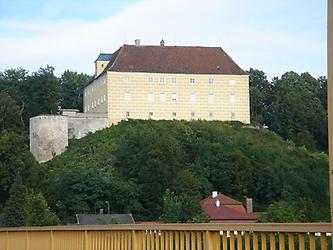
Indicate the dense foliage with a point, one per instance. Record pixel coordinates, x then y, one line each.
140 165
294 106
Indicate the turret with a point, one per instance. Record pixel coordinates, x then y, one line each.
101 62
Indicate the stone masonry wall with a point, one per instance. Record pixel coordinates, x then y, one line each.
49 134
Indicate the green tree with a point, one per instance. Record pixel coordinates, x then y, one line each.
38 213
15 159
11 82
280 211
42 92
294 106
15 208
259 90
172 208
72 85
10 117
183 208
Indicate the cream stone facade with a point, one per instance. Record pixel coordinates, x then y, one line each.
151 95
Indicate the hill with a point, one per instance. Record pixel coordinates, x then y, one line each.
136 163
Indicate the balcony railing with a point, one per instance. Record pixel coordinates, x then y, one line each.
170 237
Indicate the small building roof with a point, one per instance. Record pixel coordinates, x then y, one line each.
103 219
104 57
228 209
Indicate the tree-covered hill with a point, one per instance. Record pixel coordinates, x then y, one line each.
136 164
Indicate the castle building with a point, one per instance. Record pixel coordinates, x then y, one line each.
168 82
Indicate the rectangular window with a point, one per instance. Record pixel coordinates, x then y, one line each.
174 96
210 81
162 97
232 82
193 97
210 98
211 114
126 79
192 80
127 114
162 79
174 114
127 96
151 113
232 99
150 79
233 115
174 80
151 97
192 114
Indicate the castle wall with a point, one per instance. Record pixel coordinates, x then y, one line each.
48 136
79 127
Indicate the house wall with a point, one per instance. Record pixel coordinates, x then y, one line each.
95 96
229 94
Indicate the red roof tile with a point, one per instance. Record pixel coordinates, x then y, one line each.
229 209
174 59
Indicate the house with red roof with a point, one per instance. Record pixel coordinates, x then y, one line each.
223 209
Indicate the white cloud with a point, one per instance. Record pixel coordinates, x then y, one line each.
69 44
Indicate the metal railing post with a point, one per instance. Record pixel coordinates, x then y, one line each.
330 97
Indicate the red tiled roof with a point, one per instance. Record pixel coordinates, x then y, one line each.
225 200
229 209
174 59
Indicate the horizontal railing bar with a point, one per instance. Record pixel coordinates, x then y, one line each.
251 227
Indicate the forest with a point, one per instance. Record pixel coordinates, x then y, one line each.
160 170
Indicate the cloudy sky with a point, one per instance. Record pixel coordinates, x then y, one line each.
274 36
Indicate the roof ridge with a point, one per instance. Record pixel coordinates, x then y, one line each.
176 46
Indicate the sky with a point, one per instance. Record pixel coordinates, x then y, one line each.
270 35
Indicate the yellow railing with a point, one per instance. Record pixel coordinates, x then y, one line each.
170 237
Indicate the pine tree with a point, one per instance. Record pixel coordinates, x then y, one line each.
38 212
14 211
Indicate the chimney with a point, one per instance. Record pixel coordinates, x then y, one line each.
217 203
248 204
137 42
214 194
162 42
